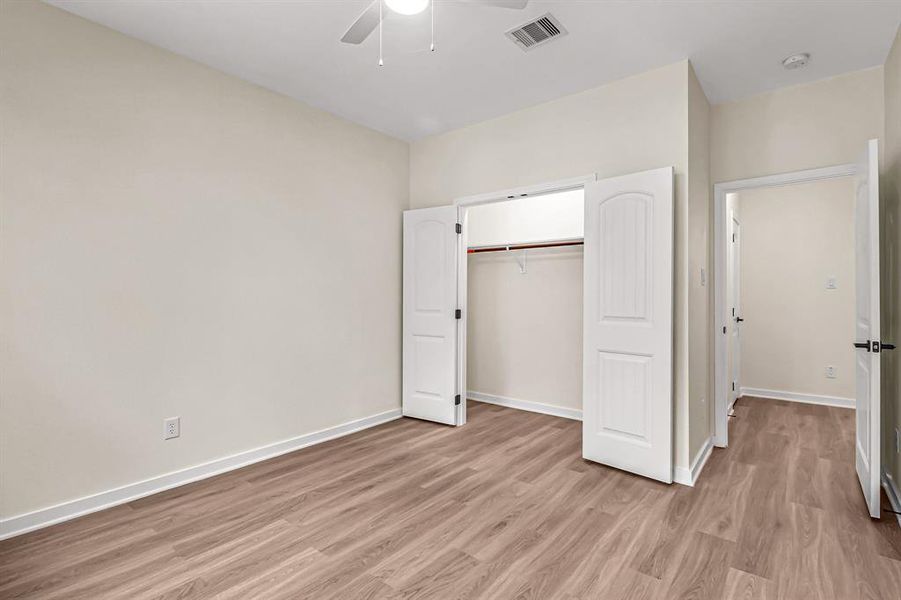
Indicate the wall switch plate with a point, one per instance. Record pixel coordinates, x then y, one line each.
830 372
831 283
171 428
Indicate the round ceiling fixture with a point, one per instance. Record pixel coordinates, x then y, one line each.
796 61
407 7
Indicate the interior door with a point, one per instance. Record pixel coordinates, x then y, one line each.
866 241
628 323
736 310
429 319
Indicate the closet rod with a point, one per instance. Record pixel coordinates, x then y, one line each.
525 246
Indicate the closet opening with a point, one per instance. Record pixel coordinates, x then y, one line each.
523 301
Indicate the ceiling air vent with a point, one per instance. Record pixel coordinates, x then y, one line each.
537 32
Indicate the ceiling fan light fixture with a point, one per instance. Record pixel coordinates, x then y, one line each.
407 7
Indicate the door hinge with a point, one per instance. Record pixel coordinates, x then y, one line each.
724 329
459 227
733 238
457 400
733 386
458 314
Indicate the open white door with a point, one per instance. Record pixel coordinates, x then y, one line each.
866 241
628 323
430 322
735 299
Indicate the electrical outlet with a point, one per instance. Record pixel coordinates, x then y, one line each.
830 372
171 428
831 283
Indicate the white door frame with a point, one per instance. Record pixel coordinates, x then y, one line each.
721 428
463 204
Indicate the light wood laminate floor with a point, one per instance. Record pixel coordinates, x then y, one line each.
501 508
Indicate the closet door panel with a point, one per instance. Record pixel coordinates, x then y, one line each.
429 322
627 321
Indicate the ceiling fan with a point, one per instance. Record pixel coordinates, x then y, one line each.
372 16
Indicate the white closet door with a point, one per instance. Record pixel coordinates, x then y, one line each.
430 324
867 373
628 323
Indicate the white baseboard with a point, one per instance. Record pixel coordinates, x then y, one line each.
538 407
798 397
894 495
45 517
689 476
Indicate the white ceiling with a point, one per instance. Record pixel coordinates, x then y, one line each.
476 73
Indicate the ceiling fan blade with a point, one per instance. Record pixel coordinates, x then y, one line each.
515 4
363 26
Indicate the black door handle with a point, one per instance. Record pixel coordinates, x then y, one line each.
886 346
738 319
865 344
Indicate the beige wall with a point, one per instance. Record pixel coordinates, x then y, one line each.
890 186
700 297
794 238
630 125
177 242
524 332
801 127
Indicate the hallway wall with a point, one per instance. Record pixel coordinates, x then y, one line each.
795 238
178 242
